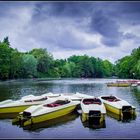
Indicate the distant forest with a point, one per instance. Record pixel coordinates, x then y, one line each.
39 63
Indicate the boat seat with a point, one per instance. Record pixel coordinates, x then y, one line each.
28 101
110 100
113 100
116 100
51 105
87 103
97 103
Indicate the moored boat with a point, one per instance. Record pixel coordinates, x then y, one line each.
11 106
48 111
118 106
133 81
93 110
76 96
52 123
126 118
118 84
134 85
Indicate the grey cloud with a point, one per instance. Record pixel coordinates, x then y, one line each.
111 42
132 37
63 9
59 34
107 27
129 36
101 23
121 10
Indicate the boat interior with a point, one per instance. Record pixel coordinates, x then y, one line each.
92 101
57 103
110 98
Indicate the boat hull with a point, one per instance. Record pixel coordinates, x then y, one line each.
118 84
49 116
53 122
86 117
14 109
119 118
118 111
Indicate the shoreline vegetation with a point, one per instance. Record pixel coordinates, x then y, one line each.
39 63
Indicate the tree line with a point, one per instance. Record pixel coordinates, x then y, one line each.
39 63
129 66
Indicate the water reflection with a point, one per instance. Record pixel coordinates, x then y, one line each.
92 124
127 118
63 120
15 89
136 96
135 90
8 115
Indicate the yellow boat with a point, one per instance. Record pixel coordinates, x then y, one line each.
47 111
118 106
93 110
52 123
118 84
13 107
119 118
8 107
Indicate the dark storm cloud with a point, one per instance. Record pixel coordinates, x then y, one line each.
64 9
107 27
105 16
80 9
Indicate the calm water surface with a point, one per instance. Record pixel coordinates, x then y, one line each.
70 126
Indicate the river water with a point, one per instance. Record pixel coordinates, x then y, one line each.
70 126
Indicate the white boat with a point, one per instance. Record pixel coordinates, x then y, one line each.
134 85
76 96
93 110
48 111
117 105
11 106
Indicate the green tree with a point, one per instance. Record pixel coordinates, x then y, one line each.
15 64
5 56
129 66
108 68
6 41
135 71
29 66
123 67
44 59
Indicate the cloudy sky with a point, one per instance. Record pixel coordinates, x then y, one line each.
108 30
